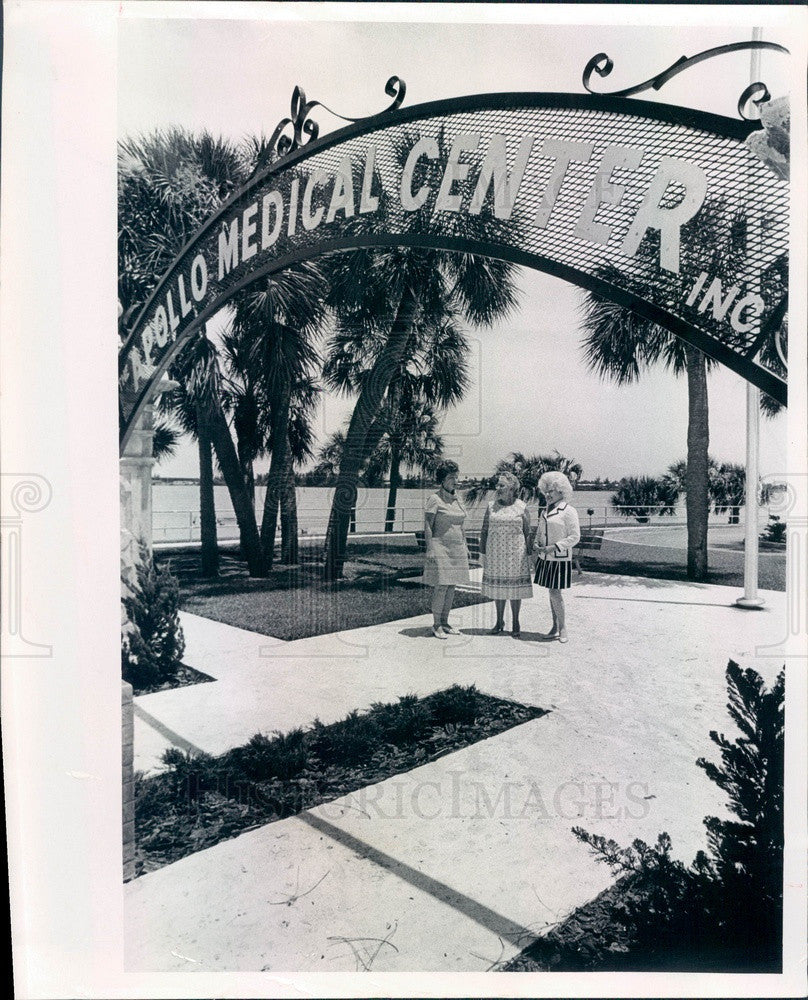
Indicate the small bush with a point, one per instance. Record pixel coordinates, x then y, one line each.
151 651
350 741
454 706
279 756
403 722
775 530
725 911
189 775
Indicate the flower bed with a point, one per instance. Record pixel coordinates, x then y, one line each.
201 800
184 677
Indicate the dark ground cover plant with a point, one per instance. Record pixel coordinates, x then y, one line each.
199 800
723 912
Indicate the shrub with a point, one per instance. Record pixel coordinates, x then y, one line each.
454 706
641 496
279 756
775 530
725 910
189 775
741 881
151 652
404 722
350 741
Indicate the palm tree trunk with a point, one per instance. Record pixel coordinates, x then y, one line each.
289 547
231 470
207 503
697 482
395 480
279 438
376 431
366 410
248 475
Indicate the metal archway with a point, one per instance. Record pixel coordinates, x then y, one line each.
664 209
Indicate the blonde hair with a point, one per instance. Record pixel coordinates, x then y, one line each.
557 479
511 480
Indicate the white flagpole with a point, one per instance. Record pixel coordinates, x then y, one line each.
750 598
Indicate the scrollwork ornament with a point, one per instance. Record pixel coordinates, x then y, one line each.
299 129
757 93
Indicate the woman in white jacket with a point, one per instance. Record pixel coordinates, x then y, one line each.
558 534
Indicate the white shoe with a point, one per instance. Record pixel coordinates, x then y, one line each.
438 632
450 629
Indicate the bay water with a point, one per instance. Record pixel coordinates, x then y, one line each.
176 510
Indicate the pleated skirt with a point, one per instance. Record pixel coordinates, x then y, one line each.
555 575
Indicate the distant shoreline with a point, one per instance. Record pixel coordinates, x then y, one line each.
190 481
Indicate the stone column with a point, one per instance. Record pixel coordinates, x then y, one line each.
128 781
136 528
136 473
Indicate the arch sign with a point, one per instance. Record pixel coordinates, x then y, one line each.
660 208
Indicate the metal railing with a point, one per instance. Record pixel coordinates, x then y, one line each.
183 526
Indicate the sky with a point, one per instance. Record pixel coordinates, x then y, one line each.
531 391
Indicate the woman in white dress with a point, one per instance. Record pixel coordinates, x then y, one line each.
557 535
447 559
504 541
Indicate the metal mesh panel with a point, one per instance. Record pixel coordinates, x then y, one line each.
739 236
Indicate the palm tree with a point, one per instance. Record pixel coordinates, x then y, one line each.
728 490
385 292
168 185
619 345
329 455
528 469
642 496
241 399
165 441
432 375
274 325
413 441
197 374
414 444
727 484
300 441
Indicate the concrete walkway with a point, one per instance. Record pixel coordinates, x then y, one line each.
461 862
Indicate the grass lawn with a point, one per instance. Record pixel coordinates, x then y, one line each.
378 585
662 562
294 602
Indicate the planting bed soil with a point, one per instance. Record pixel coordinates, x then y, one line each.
185 676
199 801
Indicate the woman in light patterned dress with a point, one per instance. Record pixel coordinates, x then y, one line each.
447 559
504 541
